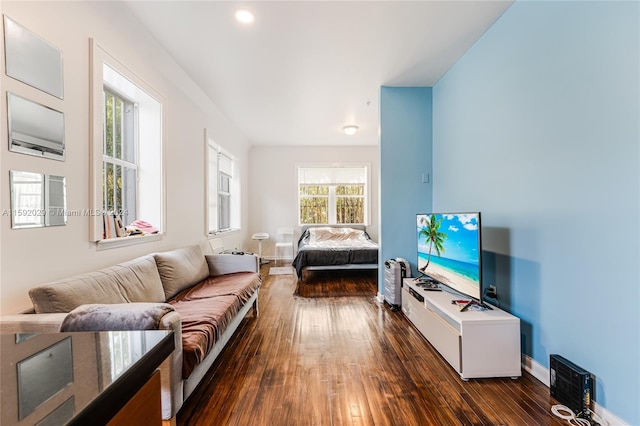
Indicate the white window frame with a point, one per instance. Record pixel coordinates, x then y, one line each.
332 190
224 193
152 169
124 164
213 192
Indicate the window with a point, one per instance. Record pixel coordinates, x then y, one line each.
333 194
126 150
223 190
119 169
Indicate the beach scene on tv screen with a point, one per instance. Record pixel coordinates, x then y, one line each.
448 250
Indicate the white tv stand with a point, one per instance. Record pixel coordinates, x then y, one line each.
475 343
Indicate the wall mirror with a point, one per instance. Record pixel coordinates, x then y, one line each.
35 129
37 200
31 59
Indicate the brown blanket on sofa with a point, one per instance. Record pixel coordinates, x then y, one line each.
207 309
239 284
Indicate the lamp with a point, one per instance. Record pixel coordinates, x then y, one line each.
350 129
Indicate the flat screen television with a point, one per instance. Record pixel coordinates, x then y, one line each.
450 251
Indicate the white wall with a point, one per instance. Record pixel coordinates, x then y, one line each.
33 256
273 186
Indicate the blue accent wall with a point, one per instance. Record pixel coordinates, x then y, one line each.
405 156
538 127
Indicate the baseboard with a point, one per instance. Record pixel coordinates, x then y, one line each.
541 373
273 258
380 298
608 416
536 369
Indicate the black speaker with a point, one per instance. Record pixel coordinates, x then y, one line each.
571 385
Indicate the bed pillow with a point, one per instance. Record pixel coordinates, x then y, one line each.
326 233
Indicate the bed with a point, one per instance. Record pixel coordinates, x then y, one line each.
335 247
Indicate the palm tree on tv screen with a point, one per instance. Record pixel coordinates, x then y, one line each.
432 234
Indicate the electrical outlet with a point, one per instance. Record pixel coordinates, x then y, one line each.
492 291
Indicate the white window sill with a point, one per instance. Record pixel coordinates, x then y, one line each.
223 233
127 241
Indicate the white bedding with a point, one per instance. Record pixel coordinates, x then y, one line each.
327 237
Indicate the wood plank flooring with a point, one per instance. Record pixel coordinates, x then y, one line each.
324 352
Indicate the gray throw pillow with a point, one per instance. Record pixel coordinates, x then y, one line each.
181 268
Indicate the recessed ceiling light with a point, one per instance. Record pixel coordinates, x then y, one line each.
245 16
351 129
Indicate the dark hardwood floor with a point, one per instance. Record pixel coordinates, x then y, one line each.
324 352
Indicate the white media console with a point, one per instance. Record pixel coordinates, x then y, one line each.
475 343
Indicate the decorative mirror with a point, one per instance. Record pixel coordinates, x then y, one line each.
37 200
35 129
31 59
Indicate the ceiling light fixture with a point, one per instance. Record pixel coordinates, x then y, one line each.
351 129
244 16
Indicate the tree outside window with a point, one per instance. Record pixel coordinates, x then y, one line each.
332 195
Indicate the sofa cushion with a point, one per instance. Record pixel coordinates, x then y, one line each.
181 268
207 309
240 284
134 281
203 322
116 317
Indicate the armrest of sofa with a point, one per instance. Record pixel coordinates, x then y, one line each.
171 368
116 316
31 323
220 264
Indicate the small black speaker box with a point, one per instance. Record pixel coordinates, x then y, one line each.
571 385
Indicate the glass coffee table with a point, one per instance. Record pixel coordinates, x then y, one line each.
97 378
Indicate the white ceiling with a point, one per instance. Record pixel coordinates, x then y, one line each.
304 69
